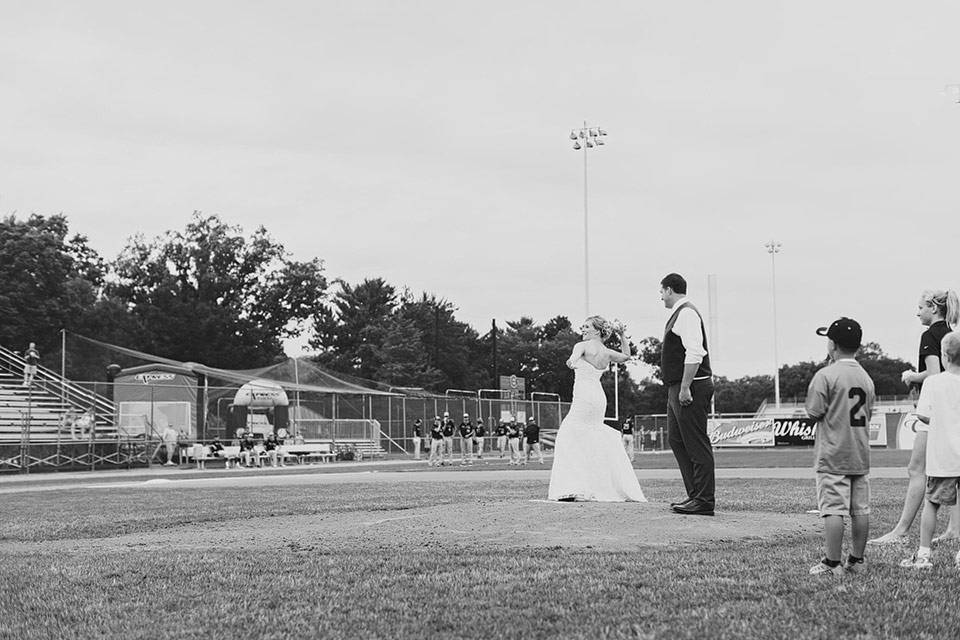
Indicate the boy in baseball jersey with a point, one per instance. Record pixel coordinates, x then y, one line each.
939 407
840 398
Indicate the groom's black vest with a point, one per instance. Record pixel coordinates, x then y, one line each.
673 354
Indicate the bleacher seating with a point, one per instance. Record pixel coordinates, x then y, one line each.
366 448
40 410
44 409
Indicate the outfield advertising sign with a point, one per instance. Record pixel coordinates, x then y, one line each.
802 431
794 432
741 432
780 432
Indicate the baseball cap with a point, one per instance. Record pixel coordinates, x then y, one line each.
846 332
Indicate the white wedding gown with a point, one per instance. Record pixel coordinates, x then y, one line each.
589 462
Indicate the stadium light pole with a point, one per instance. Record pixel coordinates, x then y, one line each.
773 248
586 138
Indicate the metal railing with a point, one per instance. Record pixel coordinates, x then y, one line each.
69 393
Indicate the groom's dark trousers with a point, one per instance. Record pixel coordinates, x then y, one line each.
687 435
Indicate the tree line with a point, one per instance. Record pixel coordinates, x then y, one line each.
215 294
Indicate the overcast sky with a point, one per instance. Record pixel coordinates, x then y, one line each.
426 142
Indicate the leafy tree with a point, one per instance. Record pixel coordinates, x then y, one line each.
795 378
403 361
49 281
452 347
350 330
651 398
370 331
214 295
743 395
884 370
539 354
650 351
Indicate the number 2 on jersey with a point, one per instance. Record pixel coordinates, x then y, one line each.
857 419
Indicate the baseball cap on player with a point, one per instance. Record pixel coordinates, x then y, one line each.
846 332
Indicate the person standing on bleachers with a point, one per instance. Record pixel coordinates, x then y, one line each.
32 356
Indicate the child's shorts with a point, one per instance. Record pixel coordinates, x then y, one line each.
840 495
942 491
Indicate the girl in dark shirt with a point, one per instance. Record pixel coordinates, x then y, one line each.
939 311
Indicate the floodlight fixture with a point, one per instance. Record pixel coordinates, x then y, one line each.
591 137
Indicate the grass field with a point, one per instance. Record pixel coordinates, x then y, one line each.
403 560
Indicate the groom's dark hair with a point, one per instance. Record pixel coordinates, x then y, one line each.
675 282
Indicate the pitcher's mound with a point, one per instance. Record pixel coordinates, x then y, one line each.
608 526
612 526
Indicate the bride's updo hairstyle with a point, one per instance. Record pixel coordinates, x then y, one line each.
601 325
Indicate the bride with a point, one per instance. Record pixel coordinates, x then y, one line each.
589 462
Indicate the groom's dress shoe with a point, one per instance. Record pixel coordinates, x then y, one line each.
677 504
694 508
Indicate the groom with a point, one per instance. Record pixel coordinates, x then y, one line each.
685 366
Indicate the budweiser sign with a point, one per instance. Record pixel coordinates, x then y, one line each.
741 433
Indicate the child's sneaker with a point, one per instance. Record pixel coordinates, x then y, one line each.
854 567
822 568
917 562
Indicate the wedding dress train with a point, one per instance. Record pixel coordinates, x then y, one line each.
589 462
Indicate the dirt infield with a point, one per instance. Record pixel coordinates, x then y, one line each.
514 524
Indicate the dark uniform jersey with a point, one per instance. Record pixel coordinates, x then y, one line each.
449 428
532 433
